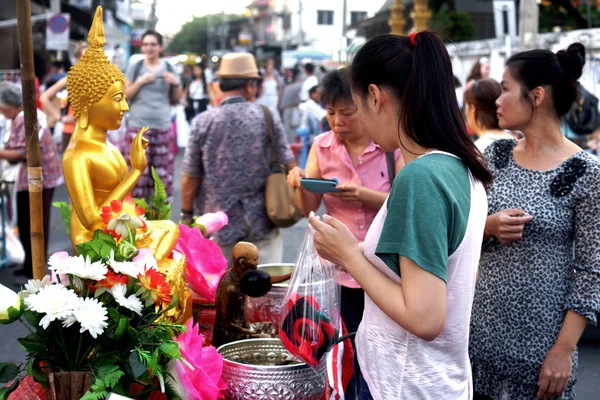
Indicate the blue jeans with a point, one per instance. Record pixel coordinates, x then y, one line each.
364 393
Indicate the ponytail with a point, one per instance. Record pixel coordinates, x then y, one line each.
418 71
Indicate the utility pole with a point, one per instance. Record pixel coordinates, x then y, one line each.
528 24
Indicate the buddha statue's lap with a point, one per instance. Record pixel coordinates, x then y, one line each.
96 172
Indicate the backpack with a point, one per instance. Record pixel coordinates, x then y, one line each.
584 118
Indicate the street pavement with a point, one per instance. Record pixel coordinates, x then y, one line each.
589 350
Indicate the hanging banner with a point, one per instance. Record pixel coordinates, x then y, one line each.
81 3
57 32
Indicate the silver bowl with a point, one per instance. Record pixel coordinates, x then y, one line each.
268 307
250 373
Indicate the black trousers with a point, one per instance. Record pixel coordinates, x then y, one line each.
23 223
352 307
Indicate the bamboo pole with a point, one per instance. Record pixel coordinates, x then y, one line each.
34 167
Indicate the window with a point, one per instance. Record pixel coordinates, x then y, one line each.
324 17
357 16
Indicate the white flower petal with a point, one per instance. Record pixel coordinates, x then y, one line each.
56 301
132 302
91 315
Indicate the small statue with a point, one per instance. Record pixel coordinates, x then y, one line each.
231 323
96 172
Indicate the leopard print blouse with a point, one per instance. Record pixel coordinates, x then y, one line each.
526 286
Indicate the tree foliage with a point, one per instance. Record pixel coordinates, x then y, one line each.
453 25
193 35
567 14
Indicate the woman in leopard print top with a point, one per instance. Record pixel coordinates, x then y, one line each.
539 274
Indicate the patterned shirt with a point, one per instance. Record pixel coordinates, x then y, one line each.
51 164
230 150
526 286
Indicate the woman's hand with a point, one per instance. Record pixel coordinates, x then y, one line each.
137 156
349 192
556 372
294 176
146 78
334 241
507 225
171 79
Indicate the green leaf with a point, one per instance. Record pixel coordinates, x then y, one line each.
137 366
170 349
65 214
142 203
157 207
32 318
35 371
110 375
121 328
6 391
95 396
8 372
33 343
99 248
114 314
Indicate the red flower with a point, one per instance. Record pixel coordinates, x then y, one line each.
121 216
155 286
111 280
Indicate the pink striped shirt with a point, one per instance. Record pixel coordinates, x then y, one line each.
371 172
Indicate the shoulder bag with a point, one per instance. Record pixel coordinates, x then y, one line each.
279 197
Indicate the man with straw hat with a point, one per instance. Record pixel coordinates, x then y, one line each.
227 161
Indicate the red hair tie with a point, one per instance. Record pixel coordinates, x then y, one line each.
413 38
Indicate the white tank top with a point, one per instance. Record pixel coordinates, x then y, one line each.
398 365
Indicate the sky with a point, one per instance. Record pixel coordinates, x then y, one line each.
174 13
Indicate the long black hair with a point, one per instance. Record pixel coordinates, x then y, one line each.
560 71
420 78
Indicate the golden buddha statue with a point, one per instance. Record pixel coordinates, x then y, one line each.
96 172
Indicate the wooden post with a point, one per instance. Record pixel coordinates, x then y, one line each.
34 167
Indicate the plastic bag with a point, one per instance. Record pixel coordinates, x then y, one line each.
310 313
15 252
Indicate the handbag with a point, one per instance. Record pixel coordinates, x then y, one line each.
279 197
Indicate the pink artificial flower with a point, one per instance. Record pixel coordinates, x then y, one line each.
145 260
205 381
213 222
54 261
205 262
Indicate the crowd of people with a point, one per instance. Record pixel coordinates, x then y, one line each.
465 238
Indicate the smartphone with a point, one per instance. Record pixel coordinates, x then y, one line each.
320 185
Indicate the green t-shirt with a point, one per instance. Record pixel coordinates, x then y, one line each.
427 214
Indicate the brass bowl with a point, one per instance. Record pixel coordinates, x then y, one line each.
250 371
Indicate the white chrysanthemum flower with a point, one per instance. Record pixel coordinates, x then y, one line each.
91 315
56 301
33 286
81 268
132 302
123 267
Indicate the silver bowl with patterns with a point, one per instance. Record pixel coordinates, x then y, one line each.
260 369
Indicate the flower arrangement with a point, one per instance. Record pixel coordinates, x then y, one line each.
104 311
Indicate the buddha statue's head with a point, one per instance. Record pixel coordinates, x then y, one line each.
96 87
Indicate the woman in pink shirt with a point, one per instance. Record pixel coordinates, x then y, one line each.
348 154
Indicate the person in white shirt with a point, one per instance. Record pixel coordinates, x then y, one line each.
312 110
310 81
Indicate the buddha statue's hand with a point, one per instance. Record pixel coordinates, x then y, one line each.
138 151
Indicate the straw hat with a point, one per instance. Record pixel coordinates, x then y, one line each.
238 65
